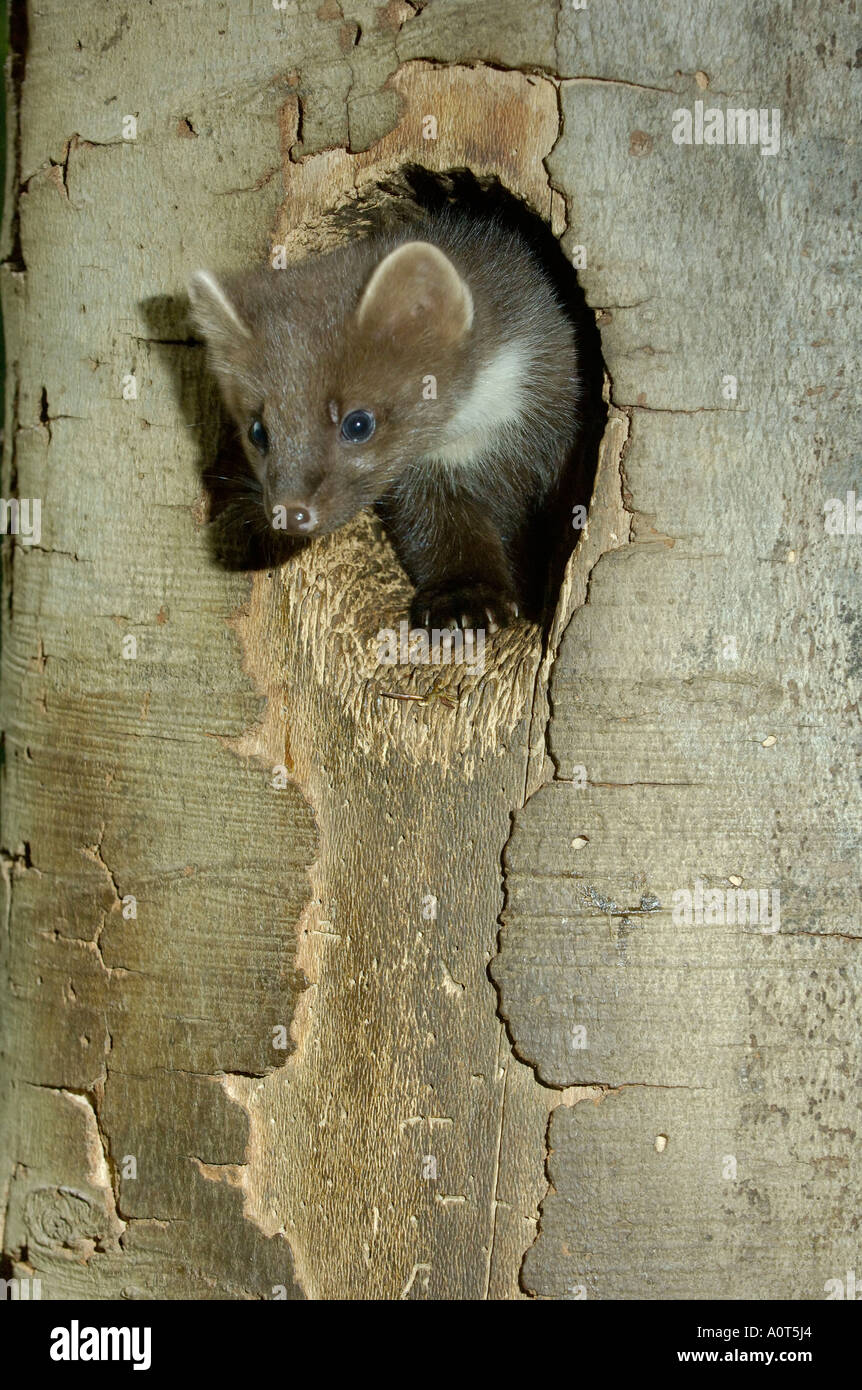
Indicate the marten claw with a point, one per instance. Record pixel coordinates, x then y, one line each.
476 606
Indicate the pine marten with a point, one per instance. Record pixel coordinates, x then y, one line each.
431 367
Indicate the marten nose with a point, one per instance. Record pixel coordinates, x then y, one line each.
298 519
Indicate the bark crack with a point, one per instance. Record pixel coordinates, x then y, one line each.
103 1171
95 855
18 46
574 595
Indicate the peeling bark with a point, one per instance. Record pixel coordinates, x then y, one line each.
238 1092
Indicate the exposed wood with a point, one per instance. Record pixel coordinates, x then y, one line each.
351 907
401 1062
400 1067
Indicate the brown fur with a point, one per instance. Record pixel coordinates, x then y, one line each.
457 298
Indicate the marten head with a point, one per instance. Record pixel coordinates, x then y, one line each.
339 372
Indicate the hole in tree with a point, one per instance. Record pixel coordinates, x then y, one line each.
540 552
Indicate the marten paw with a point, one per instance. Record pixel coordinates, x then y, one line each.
468 605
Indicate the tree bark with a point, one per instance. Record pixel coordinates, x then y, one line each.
254 896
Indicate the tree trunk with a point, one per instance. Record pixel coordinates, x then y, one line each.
257 902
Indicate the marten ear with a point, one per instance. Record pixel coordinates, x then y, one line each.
416 291
216 319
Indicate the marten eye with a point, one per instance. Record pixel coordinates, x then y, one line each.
258 436
357 426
